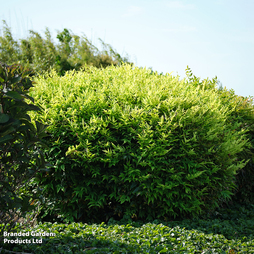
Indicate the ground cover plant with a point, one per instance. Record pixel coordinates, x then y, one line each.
227 231
128 143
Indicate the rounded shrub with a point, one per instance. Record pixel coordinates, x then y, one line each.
125 142
243 112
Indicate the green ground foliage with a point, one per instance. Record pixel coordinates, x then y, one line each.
229 231
127 142
42 54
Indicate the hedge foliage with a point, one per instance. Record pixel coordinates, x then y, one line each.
72 52
128 142
242 110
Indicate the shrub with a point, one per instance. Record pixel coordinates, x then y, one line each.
243 112
128 143
20 156
71 52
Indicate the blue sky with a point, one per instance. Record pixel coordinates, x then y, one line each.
214 38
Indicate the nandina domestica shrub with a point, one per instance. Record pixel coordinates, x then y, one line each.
243 111
128 142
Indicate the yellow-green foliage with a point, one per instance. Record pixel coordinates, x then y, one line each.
128 141
243 112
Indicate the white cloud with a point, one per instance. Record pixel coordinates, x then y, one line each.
179 5
133 11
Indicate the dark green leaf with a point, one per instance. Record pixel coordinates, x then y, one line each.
6 138
15 80
4 118
14 95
